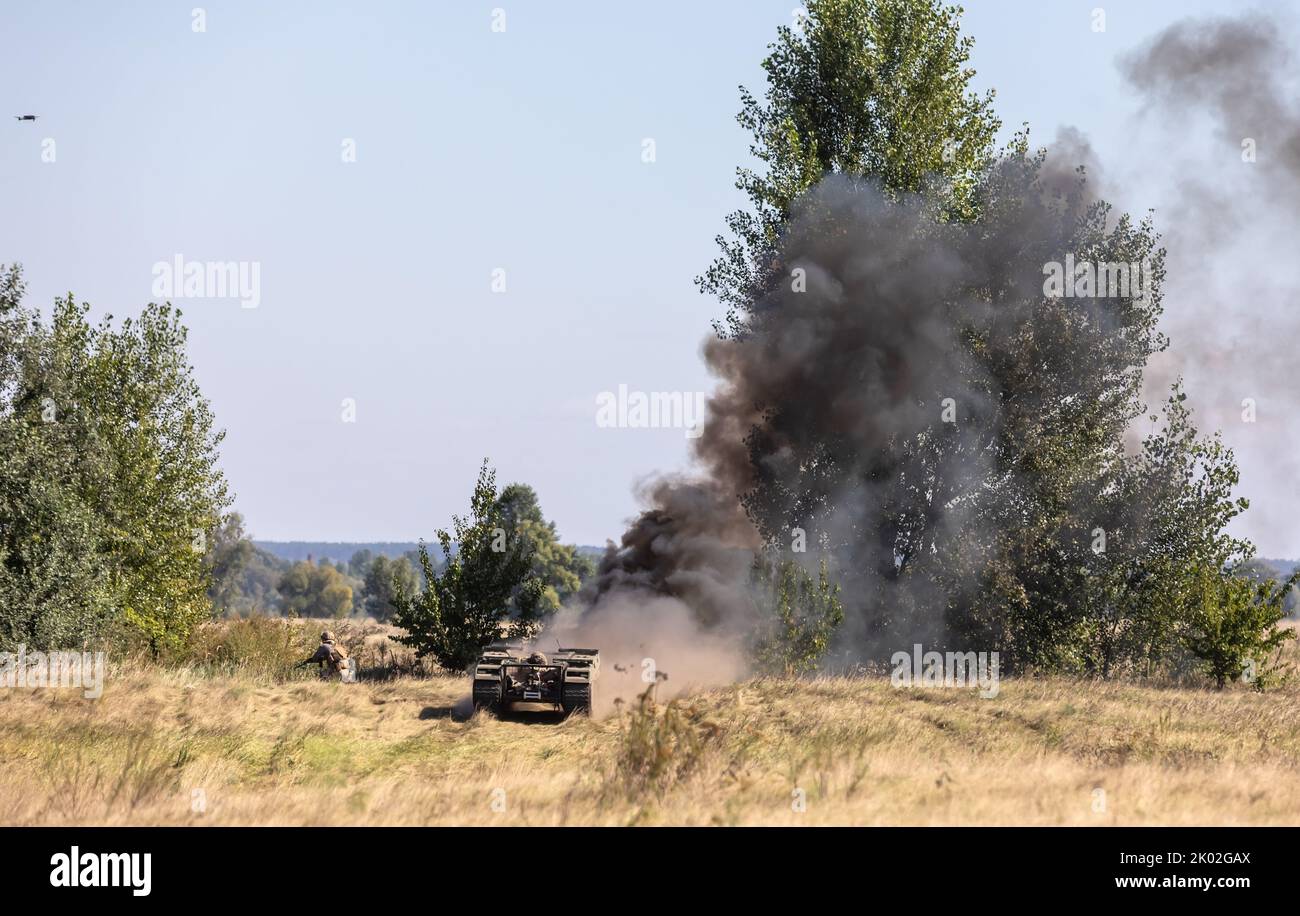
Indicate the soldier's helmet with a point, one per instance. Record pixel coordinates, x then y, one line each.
327 636
537 658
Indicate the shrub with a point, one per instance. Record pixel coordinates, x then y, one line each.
466 605
1233 627
265 647
660 746
800 615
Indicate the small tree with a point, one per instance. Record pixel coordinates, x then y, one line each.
1232 626
560 567
384 579
463 608
800 614
360 563
311 590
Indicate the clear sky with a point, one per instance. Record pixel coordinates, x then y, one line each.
475 150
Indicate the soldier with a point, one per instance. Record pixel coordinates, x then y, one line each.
530 676
545 677
332 658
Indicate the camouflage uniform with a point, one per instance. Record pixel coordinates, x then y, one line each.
332 657
545 677
525 676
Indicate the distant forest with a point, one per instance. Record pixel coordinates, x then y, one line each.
1277 570
1280 569
335 551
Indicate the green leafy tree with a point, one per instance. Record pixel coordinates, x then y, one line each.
136 397
1232 626
467 603
875 88
53 578
1165 519
360 562
244 576
559 566
315 590
977 528
229 554
1260 570
385 579
800 614
110 434
53 588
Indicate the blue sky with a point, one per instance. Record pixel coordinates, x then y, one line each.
475 150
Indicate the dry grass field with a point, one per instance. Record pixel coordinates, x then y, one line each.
201 746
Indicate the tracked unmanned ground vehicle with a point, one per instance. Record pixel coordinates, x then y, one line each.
506 674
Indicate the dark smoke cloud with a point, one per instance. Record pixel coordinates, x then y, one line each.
1232 70
1229 74
1072 156
837 369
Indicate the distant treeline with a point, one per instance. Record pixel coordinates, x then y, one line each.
335 551
344 551
1277 571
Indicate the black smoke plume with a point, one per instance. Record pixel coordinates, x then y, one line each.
829 415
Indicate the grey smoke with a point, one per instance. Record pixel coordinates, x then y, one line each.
842 371
1232 307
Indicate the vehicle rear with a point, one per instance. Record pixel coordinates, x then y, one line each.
506 676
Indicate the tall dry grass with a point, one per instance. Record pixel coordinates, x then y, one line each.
232 739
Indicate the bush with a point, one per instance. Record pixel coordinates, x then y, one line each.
1233 627
265 647
467 604
800 615
660 746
